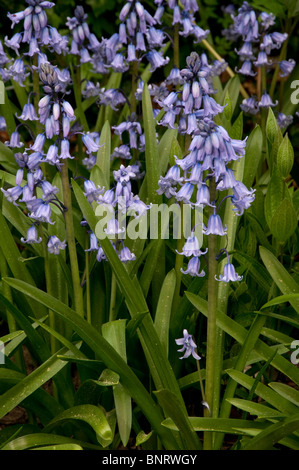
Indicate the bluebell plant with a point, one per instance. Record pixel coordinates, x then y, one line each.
257 53
210 152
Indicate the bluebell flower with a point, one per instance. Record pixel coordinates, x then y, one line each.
28 113
250 105
266 101
283 120
52 155
246 52
113 228
215 226
185 193
54 245
18 71
49 190
262 60
41 211
15 140
32 236
14 42
13 194
91 192
246 23
229 274
192 248
101 255
93 243
189 346
125 255
242 197
156 60
65 150
286 67
193 268
246 69
267 19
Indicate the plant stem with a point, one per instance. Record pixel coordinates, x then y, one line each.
176 46
134 73
70 234
179 262
211 327
112 297
88 306
200 381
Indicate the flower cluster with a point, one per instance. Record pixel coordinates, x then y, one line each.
209 156
36 34
256 52
120 202
51 146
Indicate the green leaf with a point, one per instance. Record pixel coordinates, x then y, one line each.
228 107
290 393
280 276
284 221
106 352
90 414
104 153
236 130
30 383
172 407
272 434
164 148
265 393
108 378
280 300
222 425
255 409
271 126
239 333
274 195
163 311
253 155
285 157
35 440
151 148
115 333
232 89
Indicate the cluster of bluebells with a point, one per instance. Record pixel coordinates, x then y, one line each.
35 35
209 156
120 202
51 146
259 44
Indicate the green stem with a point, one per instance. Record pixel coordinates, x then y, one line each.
134 73
176 46
179 262
112 298
48 277
200 381
70 234
88 304
211 326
